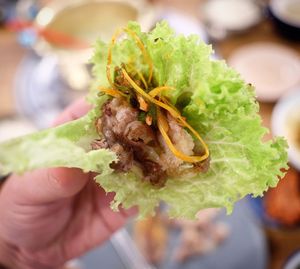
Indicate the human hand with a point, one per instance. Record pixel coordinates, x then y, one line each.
49 216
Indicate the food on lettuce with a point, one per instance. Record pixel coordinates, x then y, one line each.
167 124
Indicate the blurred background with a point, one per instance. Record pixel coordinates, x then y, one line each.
45 46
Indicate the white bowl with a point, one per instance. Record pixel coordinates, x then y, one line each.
286 122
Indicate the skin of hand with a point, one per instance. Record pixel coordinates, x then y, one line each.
50 216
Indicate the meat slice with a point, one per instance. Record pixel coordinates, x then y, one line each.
117 114
138 144
125 157
130 139
181 139
99 144
138 132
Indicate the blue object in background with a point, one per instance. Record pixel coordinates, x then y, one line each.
40 92
27 37
244 248
258 208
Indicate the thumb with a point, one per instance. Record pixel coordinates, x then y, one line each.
47 185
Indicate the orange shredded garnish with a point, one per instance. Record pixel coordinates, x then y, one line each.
112 92
158 90
142 96
139 74
166 101
175 151
143 104
173 113
143 50
163 122
148 120
109 56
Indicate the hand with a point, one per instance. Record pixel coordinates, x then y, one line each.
52 215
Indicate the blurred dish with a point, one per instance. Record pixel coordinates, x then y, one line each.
80 23
223 16
286 17
40 91
14 127
245 239
89 20
273 69
184 24
286 122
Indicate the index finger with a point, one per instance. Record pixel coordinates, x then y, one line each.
76 110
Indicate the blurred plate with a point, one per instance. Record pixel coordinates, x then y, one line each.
286 122
40 91
273 69
13 127
71 29
246 241
89 20
286 17
184 24
222 16
288 11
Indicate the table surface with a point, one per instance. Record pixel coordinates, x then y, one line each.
11 54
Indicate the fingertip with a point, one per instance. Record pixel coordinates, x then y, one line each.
67 182
76 110
130 212
47 185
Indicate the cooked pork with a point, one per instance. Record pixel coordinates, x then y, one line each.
136 143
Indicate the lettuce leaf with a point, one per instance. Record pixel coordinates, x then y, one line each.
67 145
214 99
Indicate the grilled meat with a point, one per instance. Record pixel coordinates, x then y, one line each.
136 143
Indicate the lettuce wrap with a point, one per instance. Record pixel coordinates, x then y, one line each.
206 136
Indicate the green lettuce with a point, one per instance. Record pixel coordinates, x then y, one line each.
213 98
67 145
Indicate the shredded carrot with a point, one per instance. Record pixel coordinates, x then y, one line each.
143 104
143 96
158 90
162 121
139 74
171 110
148 120
112 92
143 50
175 151
166 101
109 56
